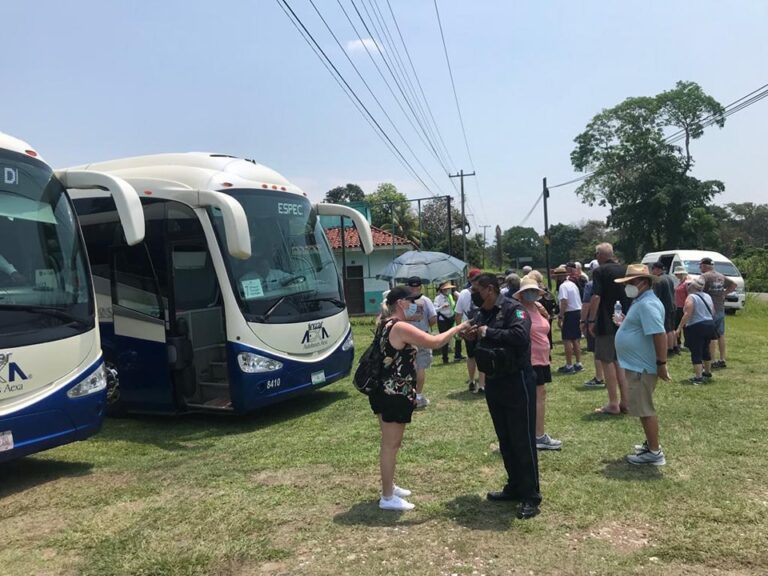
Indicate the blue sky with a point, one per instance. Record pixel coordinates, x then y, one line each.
94 80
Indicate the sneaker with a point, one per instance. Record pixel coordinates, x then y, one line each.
640 448
401 492
459 358
421 402
706 375
718 364
696 380
480 390
395 503
472 385
566 370
578 367
594 383
544 442
648 457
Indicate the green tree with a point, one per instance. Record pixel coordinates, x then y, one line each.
388 207
640 175
521 242
563 242
344 194
434 227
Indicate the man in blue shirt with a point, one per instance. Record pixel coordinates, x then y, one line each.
641 348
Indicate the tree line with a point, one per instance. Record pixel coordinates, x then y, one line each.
637 160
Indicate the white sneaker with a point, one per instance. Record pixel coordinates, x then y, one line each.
401 492
395 503
421 402
649 457
544 442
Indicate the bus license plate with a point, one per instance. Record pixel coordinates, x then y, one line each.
6 441
318 377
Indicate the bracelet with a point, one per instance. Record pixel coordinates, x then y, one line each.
660 362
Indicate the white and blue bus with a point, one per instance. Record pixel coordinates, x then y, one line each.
232 302
52 378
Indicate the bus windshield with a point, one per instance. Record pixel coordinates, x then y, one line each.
291 275
45 293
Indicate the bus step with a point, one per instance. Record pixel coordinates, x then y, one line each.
222 385
214 404
218 370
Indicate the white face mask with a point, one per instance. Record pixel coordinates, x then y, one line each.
631 291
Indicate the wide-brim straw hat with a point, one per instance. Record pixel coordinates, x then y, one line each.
560 270
445 285
528 284
680 270
636 271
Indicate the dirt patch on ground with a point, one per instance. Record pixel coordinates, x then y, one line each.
625 539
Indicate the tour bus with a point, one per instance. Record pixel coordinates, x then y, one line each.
690 259
232 302
52 378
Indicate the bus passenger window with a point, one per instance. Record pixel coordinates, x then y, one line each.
135 286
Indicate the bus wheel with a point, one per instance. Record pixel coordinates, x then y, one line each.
114 405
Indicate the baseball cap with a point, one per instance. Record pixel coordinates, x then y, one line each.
570 265
658 264
474 272
706 260
413 281
399 293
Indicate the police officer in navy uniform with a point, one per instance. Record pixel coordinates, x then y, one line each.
503 334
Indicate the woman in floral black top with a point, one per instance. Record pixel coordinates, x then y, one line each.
395 400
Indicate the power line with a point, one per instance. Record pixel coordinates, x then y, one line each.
456 100
370 91
293 16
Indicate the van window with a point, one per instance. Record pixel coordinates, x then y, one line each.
725 268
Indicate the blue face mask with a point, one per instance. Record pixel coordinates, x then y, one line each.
411 310
530 296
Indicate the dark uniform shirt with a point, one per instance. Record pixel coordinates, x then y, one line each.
509 326
603 285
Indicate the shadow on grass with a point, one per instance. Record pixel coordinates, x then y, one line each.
174 432
29 472
466 396
599 417
369 514
620 469
476 513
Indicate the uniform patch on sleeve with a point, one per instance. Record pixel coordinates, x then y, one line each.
520 314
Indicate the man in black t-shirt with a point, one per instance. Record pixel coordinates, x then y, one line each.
605 294
664 288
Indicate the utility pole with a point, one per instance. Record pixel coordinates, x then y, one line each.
461 175
450 228
545 193
484 227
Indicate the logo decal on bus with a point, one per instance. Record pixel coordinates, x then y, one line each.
10 176
14 371
314 336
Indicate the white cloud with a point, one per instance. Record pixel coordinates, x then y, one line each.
354 46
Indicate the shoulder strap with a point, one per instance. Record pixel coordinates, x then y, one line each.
705 304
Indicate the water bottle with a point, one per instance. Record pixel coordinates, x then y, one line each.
618 316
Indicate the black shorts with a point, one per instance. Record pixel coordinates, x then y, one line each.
471 345
571 329
543 375
392 407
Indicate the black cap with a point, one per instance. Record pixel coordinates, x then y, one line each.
570 265
400 293
658 264
707 260
413 281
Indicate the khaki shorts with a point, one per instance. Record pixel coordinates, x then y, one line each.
640 388
605 350
423 358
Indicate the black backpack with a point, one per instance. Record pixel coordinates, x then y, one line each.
370 368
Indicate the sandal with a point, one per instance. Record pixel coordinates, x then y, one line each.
605 411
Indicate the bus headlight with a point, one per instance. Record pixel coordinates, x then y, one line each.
251 363
348 343
96 382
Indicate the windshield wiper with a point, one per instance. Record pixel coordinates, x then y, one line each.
334 301
47 311
264 317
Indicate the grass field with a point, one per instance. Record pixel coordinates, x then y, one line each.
293 490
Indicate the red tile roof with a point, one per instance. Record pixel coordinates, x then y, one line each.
352 239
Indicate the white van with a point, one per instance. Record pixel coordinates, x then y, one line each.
690 260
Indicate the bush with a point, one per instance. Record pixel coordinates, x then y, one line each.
753 263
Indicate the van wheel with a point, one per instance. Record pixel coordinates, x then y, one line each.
114 404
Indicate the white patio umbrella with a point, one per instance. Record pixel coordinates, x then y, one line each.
429 266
